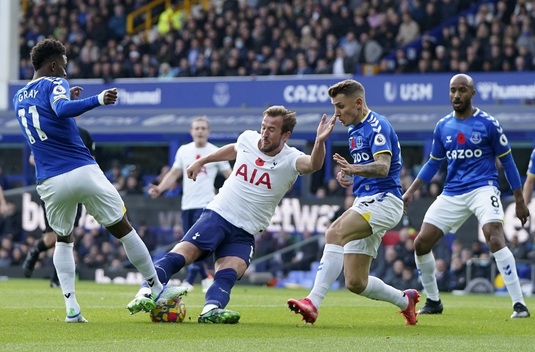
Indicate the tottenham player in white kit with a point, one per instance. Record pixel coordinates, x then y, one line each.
352 240
265 169
469 140
67 174
195 194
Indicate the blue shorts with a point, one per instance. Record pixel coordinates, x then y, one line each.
189 217
215 235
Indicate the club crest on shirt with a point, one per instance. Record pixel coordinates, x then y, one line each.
475 137
358 142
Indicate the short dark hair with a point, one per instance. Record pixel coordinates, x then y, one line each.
348 87
289 118
45 50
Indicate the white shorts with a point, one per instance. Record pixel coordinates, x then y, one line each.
383 211
448 213
87 185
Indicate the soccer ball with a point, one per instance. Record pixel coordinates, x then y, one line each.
172 311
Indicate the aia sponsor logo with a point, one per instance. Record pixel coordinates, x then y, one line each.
254 176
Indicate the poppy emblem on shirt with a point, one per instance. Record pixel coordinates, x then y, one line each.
461 139
198 156
259 162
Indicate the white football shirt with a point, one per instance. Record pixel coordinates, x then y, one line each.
197 194
257 184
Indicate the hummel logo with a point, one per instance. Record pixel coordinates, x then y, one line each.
150 282
67 295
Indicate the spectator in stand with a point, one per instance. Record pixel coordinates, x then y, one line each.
132 186
519 249
371 51
342 64
457 274
117 22
171 19
442 275
394 277
480 267
409 30
432 17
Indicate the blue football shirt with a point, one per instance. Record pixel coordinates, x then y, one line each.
54 141
470 147
371 136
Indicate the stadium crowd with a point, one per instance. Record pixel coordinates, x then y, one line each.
299 37
263 38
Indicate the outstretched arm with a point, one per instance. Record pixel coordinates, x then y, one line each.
69 108
307 164
169 178
225 153
528 188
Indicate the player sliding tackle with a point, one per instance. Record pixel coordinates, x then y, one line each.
265 169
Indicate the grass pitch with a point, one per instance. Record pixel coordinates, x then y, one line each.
32 319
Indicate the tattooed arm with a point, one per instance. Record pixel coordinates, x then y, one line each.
378 168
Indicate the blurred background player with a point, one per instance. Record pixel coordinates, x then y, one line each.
67 174
469 140
195 194
48 240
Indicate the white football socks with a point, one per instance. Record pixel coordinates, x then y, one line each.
64 262
426 267
139 255
331 265
378 290
505 261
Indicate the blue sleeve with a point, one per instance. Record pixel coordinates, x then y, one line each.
510 170
381 141
437 149
430 169
499 141
73 108
62 105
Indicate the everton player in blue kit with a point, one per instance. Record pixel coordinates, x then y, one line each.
353 239
530 179
469 140
67 174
